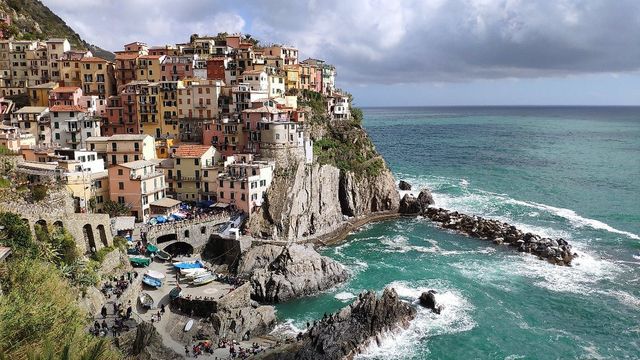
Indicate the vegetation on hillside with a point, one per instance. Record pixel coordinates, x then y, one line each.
36 21
39 317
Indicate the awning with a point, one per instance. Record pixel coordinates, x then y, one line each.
121 223
166 202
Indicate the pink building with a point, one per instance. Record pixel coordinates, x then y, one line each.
173 68
138 184
65 95
255 116
243 185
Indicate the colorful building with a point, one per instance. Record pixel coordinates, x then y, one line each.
137 184
243 185
194 173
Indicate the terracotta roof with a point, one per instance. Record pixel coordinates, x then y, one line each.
138 164
166 202
93 59
65 89
64 108
191 151
264 109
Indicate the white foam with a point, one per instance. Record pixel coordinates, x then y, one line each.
455 317
344 296
625 298
286 329
575 219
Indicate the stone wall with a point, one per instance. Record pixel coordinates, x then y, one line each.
194 232
89 230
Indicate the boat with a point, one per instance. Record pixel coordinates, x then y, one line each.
197 273
189 325
155 274
151 281
175 293
202 280
163 255
139 260
188 265
152 248
146 300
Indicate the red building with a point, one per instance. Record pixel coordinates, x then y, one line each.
215 68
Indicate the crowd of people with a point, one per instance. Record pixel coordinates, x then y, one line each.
121 315
235 349
117 286
195 217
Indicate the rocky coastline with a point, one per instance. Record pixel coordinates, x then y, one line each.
555 251
346 333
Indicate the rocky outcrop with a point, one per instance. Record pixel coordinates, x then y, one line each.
403 185
308 201
346 333
428 300
145 343
257 257
555 251
236 319
297 271
409 205
425 199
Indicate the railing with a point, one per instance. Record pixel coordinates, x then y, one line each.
146 176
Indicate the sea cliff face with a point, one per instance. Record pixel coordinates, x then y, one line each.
312 200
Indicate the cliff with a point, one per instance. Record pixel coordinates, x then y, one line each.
348 180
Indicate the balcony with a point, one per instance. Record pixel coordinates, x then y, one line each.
147 176
187 178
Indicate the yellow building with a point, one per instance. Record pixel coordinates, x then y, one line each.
149 68
169 108
163 147
97 77
39 94
195 172
122 148
292 80
149 109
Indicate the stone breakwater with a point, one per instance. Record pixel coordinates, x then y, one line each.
555 251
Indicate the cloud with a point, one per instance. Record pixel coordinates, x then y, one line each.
404 41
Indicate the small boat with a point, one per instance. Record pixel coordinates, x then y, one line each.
188 265
191 272
152 248
163 255
151 281
189 325
155 274
175 293
146 300
202 280
139 261
197 274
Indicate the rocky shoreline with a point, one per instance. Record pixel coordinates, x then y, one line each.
555 251
346 333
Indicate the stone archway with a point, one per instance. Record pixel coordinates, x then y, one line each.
58 224
103 235
166 238
89 239
179 248
41 230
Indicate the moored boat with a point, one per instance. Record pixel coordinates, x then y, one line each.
145 300
175 293
163 255
139 260
192 273
151 281
188 265
202 280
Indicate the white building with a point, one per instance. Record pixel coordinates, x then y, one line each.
72 125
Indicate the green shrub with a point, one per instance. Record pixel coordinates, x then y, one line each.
16 234
38 193
120 243
100 254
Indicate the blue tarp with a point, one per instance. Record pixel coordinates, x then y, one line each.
161 219
181 265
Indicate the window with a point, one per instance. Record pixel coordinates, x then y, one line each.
114 161
121 186
221 195
57 136
242 197
196 162
178 161
263 182
55 114
186 233
120 172
120 199
98 184
233 196
221 183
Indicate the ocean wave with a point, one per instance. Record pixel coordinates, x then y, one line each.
344 296
455 317
286 329
454 194
575 219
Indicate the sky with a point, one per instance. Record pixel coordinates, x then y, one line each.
411 52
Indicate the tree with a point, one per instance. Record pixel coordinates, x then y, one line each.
114 208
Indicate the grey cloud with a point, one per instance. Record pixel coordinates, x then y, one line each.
400 41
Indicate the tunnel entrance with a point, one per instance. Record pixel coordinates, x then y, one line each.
179 248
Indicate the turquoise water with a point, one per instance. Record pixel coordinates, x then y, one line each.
562 172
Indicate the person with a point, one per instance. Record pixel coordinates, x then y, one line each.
158 315
129 310
104 324
162 308
103 311
115 307
96 325
186 351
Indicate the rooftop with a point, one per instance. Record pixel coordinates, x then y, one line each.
93 59
31 110
138 164
65 89
49 85
264 109
67 108
127 137
191 150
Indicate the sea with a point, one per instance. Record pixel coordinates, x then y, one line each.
570 172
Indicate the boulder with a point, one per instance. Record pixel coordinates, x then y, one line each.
144 342
344 334
425 199
428 300
258 257
298 271
409 205
403 185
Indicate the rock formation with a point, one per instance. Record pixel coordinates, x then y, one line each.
257 257
428 300
555 251
145 343
346 333
409 205
297 271
403 185
425 199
